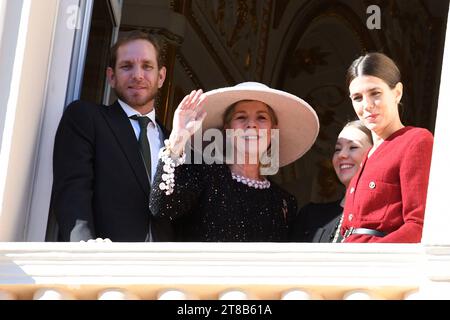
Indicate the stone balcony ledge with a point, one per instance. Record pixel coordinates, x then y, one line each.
207 270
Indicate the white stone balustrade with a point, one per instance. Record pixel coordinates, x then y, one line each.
5 295
300 294
117 294
291 271
52 294
234 294
361 295
174 294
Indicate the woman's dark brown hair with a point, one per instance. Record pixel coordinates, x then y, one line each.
377 65
358 124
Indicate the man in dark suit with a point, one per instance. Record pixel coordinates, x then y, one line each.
101 172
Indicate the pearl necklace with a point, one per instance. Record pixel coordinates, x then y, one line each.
257 184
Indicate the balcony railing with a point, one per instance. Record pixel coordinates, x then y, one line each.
223 271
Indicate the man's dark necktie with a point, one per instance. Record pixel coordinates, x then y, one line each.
144 145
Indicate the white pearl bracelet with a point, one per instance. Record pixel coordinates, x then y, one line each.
170 163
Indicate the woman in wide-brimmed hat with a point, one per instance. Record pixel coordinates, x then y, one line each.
228 198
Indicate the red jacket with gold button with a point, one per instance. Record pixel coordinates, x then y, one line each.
388 193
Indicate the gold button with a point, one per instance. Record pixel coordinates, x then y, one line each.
352 190
350 217
372 185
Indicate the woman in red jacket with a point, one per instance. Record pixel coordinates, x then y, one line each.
385 201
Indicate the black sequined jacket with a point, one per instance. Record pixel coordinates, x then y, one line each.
208 205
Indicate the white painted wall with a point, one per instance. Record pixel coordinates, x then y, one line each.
437 216
55 99
29 50
2 17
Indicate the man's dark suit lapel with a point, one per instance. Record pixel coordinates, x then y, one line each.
121 127
165 133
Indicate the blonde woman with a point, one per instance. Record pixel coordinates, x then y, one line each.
232 201
322 222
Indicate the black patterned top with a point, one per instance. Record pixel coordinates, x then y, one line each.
208 205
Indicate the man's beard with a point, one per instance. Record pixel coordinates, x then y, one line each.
137 102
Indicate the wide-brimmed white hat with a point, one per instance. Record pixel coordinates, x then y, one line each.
297 121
